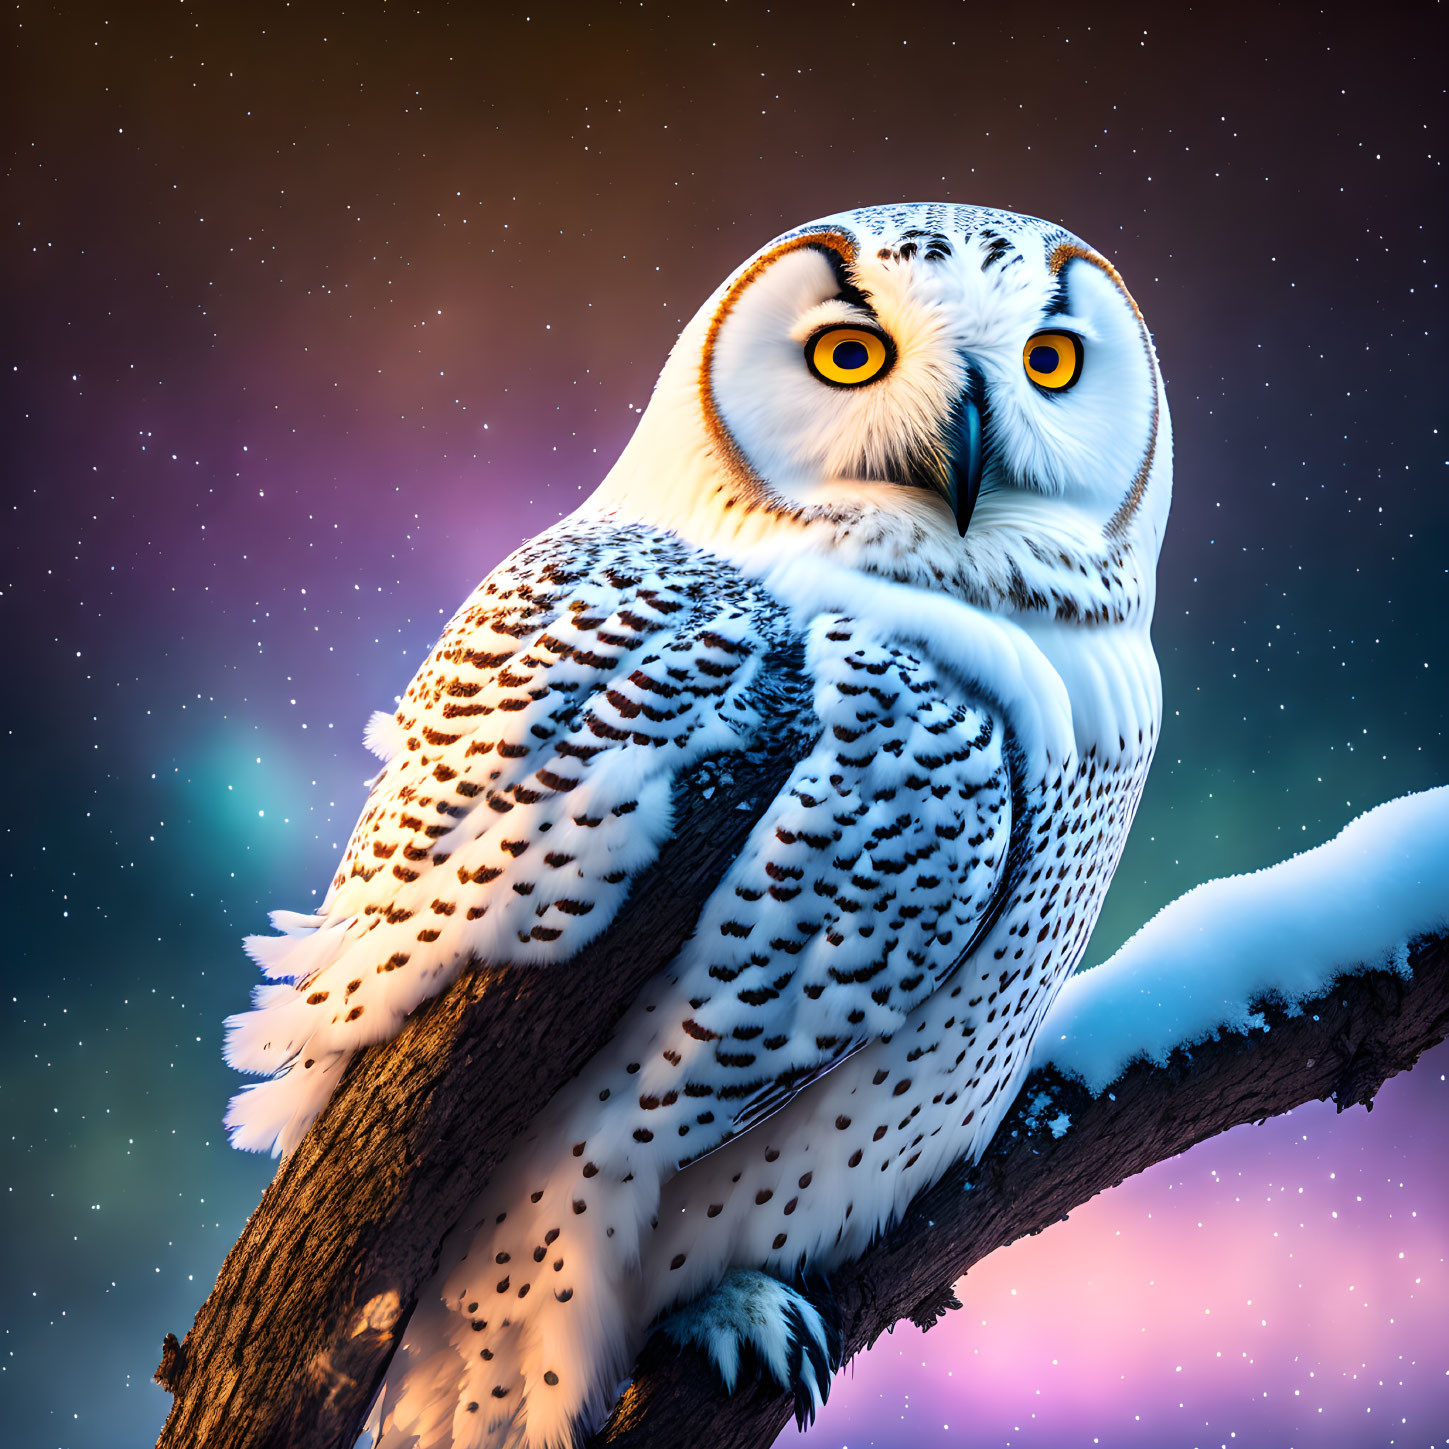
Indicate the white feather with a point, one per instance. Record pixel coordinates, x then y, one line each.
383 735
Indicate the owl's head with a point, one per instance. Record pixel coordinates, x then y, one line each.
949 395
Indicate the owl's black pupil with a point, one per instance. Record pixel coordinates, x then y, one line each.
1044 359
850 356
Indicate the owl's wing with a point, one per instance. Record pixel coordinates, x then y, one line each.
531 774
870 876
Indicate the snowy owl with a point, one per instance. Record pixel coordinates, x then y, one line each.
921 452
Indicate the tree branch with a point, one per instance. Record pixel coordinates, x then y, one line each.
1344 1045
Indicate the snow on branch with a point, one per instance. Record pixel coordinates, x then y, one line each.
1283 934
1319 977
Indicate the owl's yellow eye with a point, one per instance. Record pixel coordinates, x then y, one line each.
848 356
1053 360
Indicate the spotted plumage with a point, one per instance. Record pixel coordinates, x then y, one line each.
959 563
528 776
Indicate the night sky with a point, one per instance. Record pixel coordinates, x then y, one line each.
311 317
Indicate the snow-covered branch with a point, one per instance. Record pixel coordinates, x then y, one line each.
1202 965
1319 977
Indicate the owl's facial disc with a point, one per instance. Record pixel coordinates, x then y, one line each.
838 373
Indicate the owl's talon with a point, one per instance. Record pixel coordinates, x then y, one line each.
795 1339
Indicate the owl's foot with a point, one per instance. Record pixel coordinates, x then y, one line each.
795 1339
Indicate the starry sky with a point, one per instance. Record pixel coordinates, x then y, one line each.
310 316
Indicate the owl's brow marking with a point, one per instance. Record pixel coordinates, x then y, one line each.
997 246
841 249
847 292
1069 252
938 247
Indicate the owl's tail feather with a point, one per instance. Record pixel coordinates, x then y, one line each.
272 1033
436 1397
490 1402
539 1308
303 948
416 1410
283 1017
273 1116
334 991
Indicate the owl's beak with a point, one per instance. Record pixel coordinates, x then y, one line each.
963 486
954 468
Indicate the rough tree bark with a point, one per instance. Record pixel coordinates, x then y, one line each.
290 1345
1343 1045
